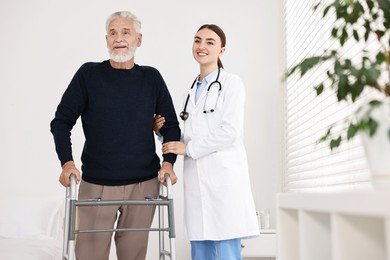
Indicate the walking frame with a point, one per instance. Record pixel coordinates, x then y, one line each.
164 199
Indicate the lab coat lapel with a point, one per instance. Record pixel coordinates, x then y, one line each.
192 93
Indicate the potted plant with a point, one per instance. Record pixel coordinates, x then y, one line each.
367 23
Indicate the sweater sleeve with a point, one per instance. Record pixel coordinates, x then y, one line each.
68 111
171 130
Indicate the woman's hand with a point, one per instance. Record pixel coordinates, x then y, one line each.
158 123
174 147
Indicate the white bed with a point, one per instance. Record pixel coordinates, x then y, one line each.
31 229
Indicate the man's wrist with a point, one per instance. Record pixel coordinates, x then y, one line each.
167 163
68 164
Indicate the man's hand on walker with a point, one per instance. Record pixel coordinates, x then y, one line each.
167 167
67 169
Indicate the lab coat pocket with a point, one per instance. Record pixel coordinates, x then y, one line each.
221 168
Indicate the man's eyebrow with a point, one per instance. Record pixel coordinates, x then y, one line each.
123 29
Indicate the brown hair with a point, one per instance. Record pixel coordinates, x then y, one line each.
220 33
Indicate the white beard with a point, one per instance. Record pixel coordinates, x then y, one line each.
120 58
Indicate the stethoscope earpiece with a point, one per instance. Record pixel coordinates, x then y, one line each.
208 111
184 114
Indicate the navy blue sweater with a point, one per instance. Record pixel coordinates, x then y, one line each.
117 108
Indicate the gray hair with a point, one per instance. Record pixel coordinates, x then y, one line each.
125 14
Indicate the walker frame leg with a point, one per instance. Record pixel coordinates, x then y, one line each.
71 203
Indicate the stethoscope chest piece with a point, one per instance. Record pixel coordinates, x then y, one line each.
184 115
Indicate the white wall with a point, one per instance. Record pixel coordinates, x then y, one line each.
43 43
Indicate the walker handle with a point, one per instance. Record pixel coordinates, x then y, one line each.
73 183
169 186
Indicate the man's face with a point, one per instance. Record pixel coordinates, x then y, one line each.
122 39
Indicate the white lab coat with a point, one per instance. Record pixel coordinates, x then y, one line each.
218 197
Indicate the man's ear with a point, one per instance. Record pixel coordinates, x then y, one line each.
106 42
139 39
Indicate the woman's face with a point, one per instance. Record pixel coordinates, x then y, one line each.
206 48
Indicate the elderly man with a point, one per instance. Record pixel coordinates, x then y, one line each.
117 101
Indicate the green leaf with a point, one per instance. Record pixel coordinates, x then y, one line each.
380 58
371 74
347 64
370 4
375 103
349 2
316 6
334 32
319 89
363 125
290 72
334 53
344 36
339 12
352 130
356 35
384 5
373 126
326 10
334 143
368 30
357 12
342 90
308 64
356 90
337 67
325 136
355 72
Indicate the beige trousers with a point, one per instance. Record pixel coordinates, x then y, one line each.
130 245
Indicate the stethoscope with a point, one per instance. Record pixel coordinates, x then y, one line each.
184 114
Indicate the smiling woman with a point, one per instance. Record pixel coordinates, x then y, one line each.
206 48
217 187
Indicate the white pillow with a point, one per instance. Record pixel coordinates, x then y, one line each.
27 217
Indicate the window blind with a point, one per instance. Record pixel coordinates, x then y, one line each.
310 166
